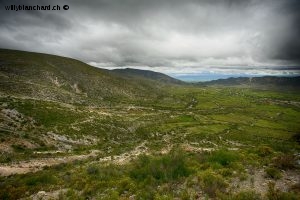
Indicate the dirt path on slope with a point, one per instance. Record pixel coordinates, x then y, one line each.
127 156
24 167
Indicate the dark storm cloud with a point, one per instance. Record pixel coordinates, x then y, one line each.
289 48
31 30
162 34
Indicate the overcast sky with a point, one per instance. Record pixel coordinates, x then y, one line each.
171 36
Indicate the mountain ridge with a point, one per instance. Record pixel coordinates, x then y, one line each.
68 80
139 73
257 82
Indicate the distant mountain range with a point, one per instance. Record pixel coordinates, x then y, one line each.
265 82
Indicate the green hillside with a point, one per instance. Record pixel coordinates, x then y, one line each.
68 80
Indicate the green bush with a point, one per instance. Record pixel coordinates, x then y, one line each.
212 183
225 172
223 157
264 151
273 173
162 169
39 179
126 185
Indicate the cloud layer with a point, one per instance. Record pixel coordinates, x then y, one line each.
163 35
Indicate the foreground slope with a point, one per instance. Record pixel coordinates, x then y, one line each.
135 138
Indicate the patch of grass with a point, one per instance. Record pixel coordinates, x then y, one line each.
185 118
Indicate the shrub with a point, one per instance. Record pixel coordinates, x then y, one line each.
223 157
264 151
212 183
273 173
162 169
38 179
126 185
226 172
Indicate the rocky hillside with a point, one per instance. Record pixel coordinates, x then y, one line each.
64 79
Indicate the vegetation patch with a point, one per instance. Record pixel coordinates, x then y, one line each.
212 183
166 168
272 172
223 157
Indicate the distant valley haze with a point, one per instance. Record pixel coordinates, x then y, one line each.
192 40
